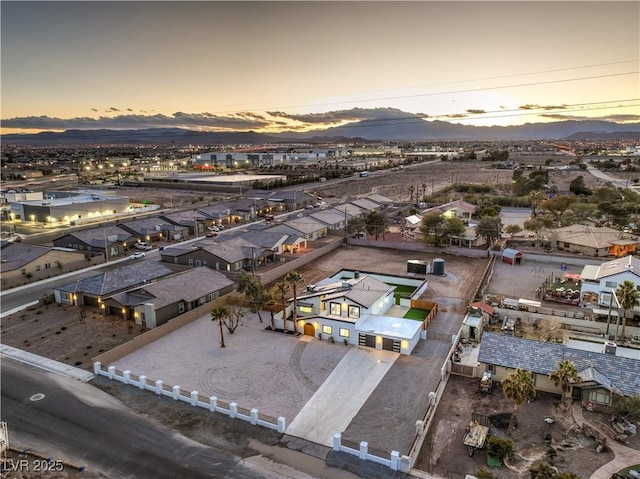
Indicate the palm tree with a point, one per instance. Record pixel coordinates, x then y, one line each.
629 298
518 387
565 374
411 188
293 278
219 314
424 191
281 291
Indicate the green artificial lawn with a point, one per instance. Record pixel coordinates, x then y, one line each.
416 314
624 472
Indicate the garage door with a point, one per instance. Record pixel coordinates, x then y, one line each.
366 340
389 344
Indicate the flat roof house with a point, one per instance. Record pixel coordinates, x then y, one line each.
353 310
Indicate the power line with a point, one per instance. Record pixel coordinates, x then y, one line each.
448 83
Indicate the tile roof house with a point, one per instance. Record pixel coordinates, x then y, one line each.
160 301
114 239
231 255
383 200
458 208
193 220
351 210
602 374
333 218
597 281
217 214
590 240
354 310
154 229
19 261
92 291
366 204
306 226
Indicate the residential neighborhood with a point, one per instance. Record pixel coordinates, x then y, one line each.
465 299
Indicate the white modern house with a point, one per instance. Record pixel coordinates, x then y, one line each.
356 311
598 281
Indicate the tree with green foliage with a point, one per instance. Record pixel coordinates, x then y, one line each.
566 475
557 206
355 225
565 375
538 225
535 198
253 290
293 278
377 223
490 228
280 292
486 209
578 187
220 314
629 297
512 229
484 473
627 405
518 387
500 448
438 230
542 470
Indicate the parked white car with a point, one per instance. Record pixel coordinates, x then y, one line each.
144 246
137 255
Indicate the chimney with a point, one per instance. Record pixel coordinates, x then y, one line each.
356 274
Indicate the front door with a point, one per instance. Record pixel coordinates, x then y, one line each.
309 330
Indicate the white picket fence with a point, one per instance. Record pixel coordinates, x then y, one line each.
395 462
211 403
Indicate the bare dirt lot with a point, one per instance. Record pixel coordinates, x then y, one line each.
444 453
69 334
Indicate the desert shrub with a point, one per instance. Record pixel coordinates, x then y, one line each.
500 448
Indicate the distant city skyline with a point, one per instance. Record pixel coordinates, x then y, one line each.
274 66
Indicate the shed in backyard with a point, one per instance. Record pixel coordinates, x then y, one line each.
512 256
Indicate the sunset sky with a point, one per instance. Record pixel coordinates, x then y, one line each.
269 66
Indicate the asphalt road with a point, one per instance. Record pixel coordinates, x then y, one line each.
82 425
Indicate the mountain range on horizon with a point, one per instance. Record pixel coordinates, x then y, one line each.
409 130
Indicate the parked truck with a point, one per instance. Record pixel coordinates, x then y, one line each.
486 383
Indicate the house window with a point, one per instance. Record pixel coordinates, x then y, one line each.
491 368
611 284
37 267
180 307
306 308
599 397
567 245
203 300
354 312
190 262
23 271
344 332
334 309
47 266
327 329
64 296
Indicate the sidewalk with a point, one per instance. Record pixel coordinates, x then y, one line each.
45 363
624 456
